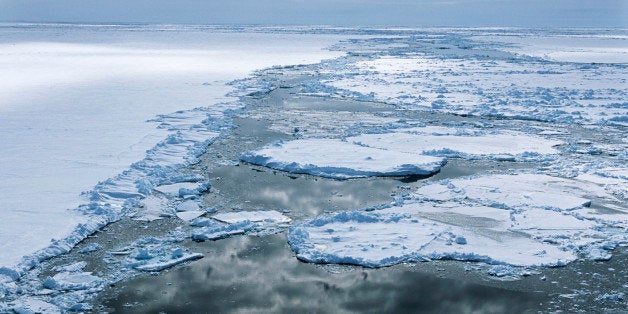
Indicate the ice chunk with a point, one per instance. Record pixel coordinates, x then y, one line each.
613 296
155 207
91 248
188 206
182 189
224 225
190 215
72 278
28 305
502 146
180 258
252 216
222 231
72 281
340 159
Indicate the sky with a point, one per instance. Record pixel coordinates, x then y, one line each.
522 13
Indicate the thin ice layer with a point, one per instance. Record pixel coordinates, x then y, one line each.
340 159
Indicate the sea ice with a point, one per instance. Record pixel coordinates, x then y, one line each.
72 277
460 143
516 191
189 210
224 225
75 110
340 159
271 216
182 189
518 220
399 234
504 84
176 259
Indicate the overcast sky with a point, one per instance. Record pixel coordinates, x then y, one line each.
526 13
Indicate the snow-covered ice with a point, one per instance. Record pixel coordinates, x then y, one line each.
442 73
518 220
341 159
223 225
397 235
74 111
451 142
252 216
73 278
516 191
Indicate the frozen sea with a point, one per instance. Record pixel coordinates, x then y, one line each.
131 149
75 101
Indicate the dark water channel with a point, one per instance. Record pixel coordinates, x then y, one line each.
260 274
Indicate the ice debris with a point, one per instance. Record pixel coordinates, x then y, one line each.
224 225
177 257
72 281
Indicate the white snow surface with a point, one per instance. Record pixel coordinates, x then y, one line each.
73 112
340 159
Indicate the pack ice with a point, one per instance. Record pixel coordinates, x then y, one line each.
517 220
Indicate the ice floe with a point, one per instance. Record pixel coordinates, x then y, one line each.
518 220
397 235
177 257
514 191
340 159
224 225
252 216
450 142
